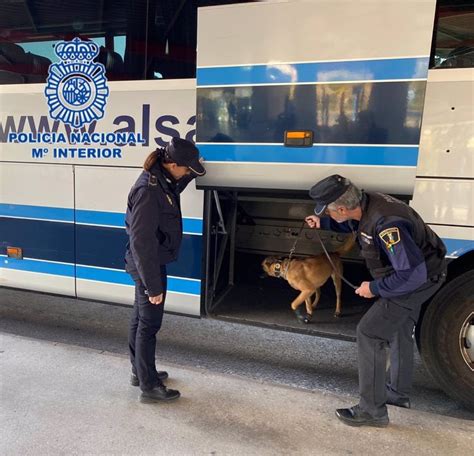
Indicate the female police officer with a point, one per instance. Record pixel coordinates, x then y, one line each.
154 226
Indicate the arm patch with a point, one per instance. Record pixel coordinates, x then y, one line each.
390 237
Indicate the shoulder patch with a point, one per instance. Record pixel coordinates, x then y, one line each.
390 237
152 180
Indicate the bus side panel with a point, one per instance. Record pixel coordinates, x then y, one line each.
156 110
101 198
444 189
36 215
358 85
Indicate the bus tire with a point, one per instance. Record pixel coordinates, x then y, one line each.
447 339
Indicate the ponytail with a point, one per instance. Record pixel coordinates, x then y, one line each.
157 155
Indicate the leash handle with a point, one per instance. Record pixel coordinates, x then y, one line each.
332 264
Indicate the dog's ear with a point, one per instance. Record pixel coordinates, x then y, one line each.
267 264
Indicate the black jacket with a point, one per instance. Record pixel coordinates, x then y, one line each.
379 211
154 225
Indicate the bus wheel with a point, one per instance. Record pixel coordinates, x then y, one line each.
447 339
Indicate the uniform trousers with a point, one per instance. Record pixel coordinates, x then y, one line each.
389 323
145 322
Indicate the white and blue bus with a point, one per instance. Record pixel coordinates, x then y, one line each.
383 90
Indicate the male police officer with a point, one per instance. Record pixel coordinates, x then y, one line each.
154 226
406 260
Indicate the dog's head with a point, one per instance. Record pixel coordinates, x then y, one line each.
272 266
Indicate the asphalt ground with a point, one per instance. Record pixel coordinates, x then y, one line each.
60 399
264 355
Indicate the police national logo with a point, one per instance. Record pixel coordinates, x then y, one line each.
76 87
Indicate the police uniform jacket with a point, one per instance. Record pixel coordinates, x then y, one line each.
400 250
154 225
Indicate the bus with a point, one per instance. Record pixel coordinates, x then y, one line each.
380 92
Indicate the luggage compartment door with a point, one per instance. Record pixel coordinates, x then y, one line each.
101 200
37 216
331 68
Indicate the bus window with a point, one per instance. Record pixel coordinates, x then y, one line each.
453 38
138 39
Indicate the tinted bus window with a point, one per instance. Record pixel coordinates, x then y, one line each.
138 39
453 38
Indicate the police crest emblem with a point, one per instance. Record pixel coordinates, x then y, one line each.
76 88
390 237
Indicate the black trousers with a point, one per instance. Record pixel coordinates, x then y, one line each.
144 324
389 323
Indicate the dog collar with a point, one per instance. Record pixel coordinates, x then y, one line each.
281 268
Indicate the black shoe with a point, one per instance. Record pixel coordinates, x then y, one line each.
162 375
354 416
159 394
403 403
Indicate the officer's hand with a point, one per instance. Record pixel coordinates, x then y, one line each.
313 221
156 299
364 290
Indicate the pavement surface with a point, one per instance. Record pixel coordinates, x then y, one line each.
62 399
266 355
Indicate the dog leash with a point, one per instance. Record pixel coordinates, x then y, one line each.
332 264
292 251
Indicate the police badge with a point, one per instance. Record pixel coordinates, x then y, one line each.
390 237
76 88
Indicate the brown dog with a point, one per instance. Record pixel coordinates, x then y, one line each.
308 275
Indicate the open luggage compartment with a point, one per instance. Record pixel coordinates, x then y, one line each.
243 227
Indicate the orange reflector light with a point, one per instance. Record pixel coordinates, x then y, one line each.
15 252
298 138
298 134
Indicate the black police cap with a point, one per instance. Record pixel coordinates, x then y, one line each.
327 191
185 153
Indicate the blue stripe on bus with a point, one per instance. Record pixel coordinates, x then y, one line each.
39 239
41 212
43 267
458 247
334 154
327 72
117 219
86 217
192 226
105 247
94 245
100 218
176 284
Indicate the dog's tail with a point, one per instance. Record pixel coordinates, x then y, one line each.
347 246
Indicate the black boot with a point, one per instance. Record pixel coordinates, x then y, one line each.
159 394
355 416
403 403
162 375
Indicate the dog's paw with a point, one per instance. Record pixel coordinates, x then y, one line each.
337 314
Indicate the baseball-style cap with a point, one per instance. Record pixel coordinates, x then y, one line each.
327 191
185 153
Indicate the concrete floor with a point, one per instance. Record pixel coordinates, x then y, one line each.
62 399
